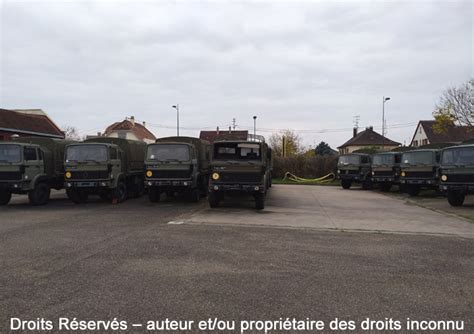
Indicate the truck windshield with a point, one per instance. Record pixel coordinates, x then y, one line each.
10 153
349 160
383 159
418 158
237 151
168 152
458 156
97 153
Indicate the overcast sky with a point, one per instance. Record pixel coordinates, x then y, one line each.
301 65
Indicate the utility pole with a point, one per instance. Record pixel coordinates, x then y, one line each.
254 128
177 119
233 123
384 99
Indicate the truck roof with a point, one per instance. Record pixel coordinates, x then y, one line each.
458 146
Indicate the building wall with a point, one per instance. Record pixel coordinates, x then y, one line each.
350 149
128 135
420 137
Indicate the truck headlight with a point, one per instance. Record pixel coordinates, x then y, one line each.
215 176
373 173
402 174
68 175
444 178
149 173
338 171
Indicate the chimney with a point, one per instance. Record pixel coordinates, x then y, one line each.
132 119
99 134
144 124
230 129
371 128
217 130
354 132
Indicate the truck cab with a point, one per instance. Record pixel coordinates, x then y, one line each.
240 167
177 165
457 173
419 170
355 168
386 169
32 166
109 167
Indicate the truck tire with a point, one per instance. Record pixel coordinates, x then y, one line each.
385 187
77 196
412 190
456 198
259 201
346 184
40 194
119 194
5 197
154 194
214 199
195 195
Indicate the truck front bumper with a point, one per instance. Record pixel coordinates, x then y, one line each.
169 183
18 186
421 182
462 187
88 184
232 187
385 179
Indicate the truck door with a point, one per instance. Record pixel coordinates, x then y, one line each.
32 165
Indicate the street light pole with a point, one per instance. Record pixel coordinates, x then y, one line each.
384 99
177 118
254 128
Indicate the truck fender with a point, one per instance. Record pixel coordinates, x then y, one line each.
39 178
120 177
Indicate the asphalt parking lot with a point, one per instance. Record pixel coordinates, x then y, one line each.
318 252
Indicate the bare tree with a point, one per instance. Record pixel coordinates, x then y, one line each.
456 106
289 139
71 132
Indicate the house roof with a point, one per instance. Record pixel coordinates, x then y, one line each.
369 137
213 136
139 130
29 121
454 134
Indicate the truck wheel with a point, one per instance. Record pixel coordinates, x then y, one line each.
195 195
213 199
154 194
455 198
259 201
77 196
40 194
385 186
413 190
5 197
119 194
346 184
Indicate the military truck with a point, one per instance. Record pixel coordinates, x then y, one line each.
419 170
31 165
177 165
386 169
109 167
240 167
457 173
355 168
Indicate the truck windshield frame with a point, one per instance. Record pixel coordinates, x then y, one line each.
383 159
418 158
350 159
10 153
457 156
237 151
87 153
168 152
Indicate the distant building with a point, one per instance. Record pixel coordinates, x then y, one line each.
129 129
367 139
27 123
425 134
213 136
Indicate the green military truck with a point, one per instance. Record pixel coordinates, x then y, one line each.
419 170
386 169
177 165
31 165
109 167
457 173
240 167
355 168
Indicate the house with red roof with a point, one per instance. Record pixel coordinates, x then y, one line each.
367 139
130 129
425 134
27 123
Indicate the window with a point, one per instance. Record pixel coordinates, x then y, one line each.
122 135
29 153
40 154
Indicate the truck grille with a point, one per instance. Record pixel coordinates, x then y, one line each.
350 171
383 173
429 175
240 177
172 174
10 176
89 175
462 178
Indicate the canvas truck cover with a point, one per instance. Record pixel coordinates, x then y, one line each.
134 150
202 148
53 150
